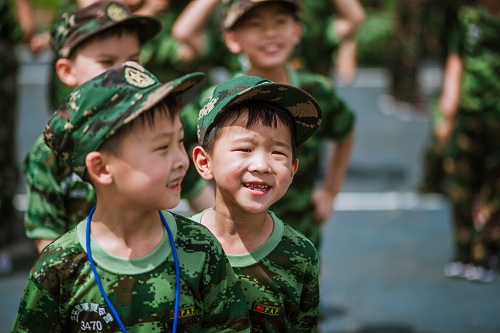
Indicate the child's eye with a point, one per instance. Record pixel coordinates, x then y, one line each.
107 63
279 153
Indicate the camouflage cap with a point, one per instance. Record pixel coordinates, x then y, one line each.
98 108
303 107
78 25
233 10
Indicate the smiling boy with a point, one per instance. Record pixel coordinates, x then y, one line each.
249 129
130 265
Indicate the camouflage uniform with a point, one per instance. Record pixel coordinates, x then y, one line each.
62 282
280 278
58 198
10 34
319 41
281 289
472 159
421 28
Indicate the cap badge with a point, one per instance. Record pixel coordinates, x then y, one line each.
137 78
116 12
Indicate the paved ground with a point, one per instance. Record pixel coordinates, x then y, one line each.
384 248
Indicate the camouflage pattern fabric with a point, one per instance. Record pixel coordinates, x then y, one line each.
477 42
472 164
421 29
62 296
472 158
58 199
98 108
10 35
280 281
303 108
319 41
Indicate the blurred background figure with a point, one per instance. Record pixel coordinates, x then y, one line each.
16 26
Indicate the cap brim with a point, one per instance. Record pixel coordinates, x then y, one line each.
177 86
303 107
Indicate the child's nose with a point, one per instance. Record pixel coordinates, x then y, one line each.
260 163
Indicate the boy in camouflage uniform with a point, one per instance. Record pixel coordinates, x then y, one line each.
249 129
471 108
87 41
121 132
268 47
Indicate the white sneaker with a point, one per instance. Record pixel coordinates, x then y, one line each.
481 274
456 269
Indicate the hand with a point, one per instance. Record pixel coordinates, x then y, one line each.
323 206
39 42
443 130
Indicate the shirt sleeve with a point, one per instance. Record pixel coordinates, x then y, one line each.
38 310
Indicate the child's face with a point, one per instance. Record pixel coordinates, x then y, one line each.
150 164
252 167
101 54
267 34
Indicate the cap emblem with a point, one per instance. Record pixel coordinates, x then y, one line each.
137 78
116 13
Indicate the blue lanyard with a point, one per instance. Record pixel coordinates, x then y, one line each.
103 293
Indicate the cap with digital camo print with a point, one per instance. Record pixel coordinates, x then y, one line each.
98 108
233 10
302 106
78 25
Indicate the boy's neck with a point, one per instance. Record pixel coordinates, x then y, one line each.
277 74
239 233
126 233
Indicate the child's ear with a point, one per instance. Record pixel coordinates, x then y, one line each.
231 42
97 168
64 70
202 163
295 167
297 33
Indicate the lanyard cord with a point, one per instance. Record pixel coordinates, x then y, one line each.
101 289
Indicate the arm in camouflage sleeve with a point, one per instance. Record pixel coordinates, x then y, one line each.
45 214
38 310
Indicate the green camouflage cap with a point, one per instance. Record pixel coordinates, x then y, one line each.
303 107
78 25
98 108
233 10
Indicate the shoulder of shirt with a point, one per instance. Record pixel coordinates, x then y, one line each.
186 222
311 80
296 237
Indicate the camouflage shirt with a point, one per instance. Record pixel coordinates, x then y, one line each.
477 42
280 281
62 296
